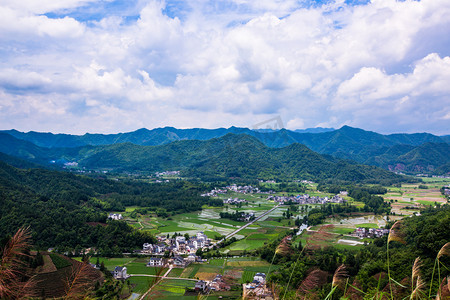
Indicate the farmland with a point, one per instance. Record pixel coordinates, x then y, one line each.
335 233
409 197
235 270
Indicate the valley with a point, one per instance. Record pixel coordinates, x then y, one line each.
220 218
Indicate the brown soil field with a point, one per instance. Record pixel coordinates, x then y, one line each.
53 284
48 265
205 276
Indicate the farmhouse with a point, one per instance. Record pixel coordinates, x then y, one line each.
200 286
218 284
260 277
156 262
120 273
179 262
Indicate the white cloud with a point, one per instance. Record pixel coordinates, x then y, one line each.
13 79
379 66
43 6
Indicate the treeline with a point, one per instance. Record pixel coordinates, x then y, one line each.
317 215
236 216
419 236
288 187
174 197
366 194
336 189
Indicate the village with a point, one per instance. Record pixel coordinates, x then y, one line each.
179 252
370 232
307 199
247 189
177 245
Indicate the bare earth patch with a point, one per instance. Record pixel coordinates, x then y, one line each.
48 266
206 276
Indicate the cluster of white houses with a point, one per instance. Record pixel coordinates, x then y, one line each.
370 232
167 173
176 262
115 216
233 201
306 199
246 189
178 245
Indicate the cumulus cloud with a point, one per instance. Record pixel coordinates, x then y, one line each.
382 65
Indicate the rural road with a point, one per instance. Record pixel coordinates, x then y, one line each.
156 283
245 226
176 278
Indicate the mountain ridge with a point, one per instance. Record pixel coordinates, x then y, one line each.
232 155
365 147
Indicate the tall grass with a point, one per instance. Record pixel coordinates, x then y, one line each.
79 282
395 235
338 278
444 251
13 267
283 248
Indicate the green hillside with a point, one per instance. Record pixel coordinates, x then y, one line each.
232 156
67 210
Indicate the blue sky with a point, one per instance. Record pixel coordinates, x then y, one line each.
79 66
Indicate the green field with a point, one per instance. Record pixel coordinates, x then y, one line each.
140 283
111 263
171 289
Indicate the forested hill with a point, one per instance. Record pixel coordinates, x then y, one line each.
67 210
394 151
228 156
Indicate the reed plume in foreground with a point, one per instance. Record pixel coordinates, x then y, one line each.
395 235
283 248
13 266
417 283
415 274
444 251
309 283
338 279
79 282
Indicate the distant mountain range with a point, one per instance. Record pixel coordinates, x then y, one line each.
233 155
411 153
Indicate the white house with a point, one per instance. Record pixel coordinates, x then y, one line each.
260 277
155 262
200 286
147 247
115 216
191 258
120 273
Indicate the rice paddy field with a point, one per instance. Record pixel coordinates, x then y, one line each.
408 198
207 220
